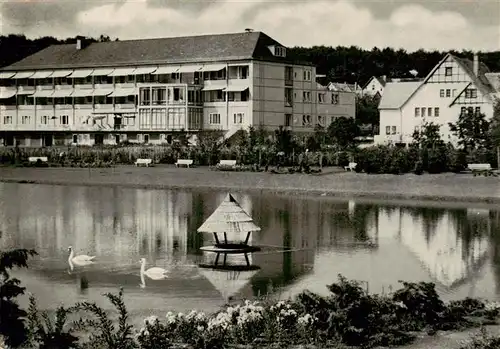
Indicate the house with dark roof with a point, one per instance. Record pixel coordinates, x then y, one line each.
149 91
454 86
374 86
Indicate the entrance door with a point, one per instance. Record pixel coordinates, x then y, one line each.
47 140
99 139
146 139
117 139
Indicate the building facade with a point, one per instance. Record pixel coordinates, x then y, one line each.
454 86
150 91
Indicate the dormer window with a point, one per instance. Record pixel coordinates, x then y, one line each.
278 51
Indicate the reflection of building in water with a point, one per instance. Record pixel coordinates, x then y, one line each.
106 221
451 244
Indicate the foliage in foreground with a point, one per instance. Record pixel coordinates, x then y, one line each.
348 316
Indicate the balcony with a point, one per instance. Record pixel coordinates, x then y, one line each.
125 106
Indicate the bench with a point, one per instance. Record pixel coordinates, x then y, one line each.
36 158
351 167
481 169
184 162
145 162
226 164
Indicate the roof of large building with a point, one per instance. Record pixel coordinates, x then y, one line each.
188 49
397 93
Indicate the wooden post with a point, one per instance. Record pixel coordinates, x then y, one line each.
225 238
246 258
217 258
247 238
216 238
498 158
225 259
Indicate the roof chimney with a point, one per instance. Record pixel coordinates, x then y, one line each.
475 65
78 44
249 30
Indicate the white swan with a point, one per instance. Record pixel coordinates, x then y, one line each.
80 260
154 273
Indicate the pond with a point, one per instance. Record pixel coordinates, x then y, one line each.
457 247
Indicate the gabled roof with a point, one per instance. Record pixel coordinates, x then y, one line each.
481 82
195 49
380 80
230 218
397 93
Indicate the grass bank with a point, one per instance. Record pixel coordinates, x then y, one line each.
332 182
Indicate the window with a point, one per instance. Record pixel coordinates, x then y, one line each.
306 120
429 111
417 112
75 139
321 120
388 130
145 96
238 118
214 118
7 119
44 120
159 96
280 51
64 119
288 97
471 93
307 75
393 130
321 97
422 110
335 98
288 120
306 96
25 119
478 110
146 139
448 92
463 110
454 92
441 93
448 71
436 112
288 75
470 110
242 72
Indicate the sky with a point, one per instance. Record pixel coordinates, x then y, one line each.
407 24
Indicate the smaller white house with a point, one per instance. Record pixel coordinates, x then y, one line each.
375 86
455 85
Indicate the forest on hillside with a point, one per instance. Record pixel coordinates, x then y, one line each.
339 64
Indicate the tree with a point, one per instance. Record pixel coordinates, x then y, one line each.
316 140
367 111
428 136
343 131
283 140
12 326
495 130
472 130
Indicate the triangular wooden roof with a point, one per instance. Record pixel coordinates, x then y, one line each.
230 218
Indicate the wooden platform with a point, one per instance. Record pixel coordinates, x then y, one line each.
229 267
230 248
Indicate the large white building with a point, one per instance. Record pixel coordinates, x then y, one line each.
454 86
147 91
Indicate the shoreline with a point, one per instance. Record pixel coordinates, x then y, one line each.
333 183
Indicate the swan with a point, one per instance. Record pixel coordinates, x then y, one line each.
154 273
80 260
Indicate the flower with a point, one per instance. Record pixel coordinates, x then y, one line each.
151 320
306 320
171 318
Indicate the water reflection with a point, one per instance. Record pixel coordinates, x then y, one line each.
306 243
